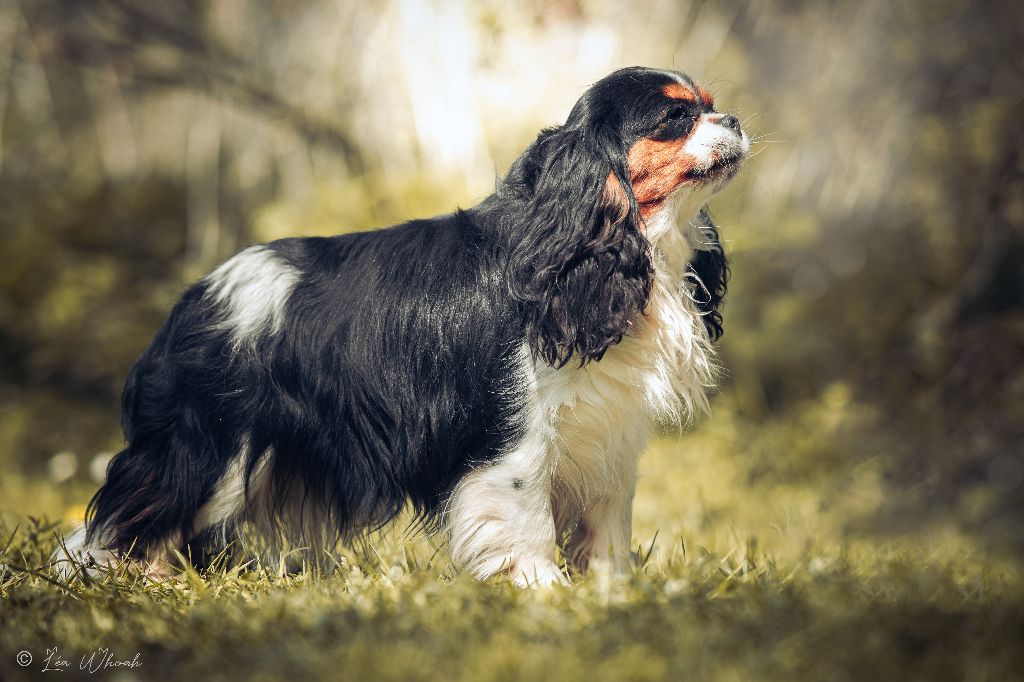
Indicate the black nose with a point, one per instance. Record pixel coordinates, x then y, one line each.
730 122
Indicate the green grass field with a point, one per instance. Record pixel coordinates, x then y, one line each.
739 576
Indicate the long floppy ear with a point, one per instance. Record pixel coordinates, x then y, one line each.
579 263
711 270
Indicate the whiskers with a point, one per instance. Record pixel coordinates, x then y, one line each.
758 138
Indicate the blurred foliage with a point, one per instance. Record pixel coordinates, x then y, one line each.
875 328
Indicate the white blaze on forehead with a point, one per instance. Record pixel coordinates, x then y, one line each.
710 142
252 289
677 78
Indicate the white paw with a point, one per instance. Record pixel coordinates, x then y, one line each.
606 567
74 557
537 574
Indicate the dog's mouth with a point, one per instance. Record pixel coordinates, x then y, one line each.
723 167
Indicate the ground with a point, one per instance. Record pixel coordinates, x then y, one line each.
736 579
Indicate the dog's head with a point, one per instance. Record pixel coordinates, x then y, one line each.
638 141
665 127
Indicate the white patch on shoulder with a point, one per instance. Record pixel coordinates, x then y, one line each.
252 289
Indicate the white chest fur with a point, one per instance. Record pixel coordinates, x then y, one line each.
596 416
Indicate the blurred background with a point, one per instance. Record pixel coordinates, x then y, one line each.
874 340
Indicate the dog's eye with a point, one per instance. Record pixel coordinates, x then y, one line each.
676 113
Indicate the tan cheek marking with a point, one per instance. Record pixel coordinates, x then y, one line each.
678 91
706 97
656 169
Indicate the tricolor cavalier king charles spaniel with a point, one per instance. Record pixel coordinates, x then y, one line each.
493 369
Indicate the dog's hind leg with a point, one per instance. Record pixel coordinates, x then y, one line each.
241 494
148 505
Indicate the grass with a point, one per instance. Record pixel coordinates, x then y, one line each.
739 577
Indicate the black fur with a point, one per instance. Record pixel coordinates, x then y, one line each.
579 263
395 373
398 366
711 268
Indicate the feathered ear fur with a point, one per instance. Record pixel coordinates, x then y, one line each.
711 268
579 263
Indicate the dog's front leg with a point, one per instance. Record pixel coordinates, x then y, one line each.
500 518
600 541
609 528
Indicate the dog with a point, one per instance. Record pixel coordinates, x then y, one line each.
494 370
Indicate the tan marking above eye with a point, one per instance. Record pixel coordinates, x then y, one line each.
706 97
679 91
